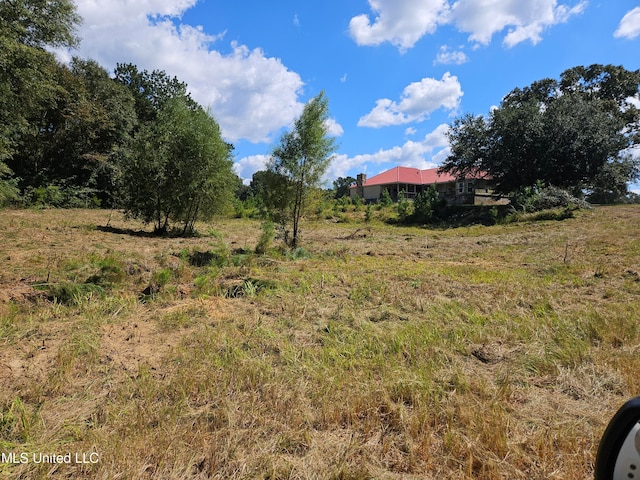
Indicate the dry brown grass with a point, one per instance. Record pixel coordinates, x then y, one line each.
391 352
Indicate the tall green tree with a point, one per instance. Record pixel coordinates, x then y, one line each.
342 185
559 132
300 160
27 69
179 170
79 139
151 90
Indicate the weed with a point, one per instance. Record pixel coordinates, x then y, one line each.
18 422
266 238
111 272
299 253
73 293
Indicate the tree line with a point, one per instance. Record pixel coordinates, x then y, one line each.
74 135
578 132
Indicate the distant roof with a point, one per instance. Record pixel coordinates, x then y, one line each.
411 176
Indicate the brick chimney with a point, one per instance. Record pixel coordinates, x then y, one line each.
361 179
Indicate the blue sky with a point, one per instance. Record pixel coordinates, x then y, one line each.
396 72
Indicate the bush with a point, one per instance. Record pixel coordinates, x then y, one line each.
368 214
535 199
385 200
427 205
554 197
404 207
60 196
267 236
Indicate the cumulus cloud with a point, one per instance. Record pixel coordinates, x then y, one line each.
419 99
334 129
524 20
247 166
251 95
447 57
427 153
403 23
629 25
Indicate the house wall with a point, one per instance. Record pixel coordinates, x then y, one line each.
373 192
463 192
369 193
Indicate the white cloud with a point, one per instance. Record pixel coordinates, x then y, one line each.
334 129
419 99
247 166
404 22
410 131
251 95
427 153
525 20
401 22
629 25
448 57
296 20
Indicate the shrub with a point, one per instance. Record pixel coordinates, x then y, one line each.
404 207
386 198
368 214
267 236
427 205
554 197
537 198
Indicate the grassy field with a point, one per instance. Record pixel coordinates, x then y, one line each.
377 351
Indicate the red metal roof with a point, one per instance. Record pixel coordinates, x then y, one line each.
410 175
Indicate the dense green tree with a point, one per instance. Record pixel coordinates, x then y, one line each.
80 138
39 23
179 170
8 190
342 185
559 132
270 190
300 160
151 90
611 184
27 86
427 204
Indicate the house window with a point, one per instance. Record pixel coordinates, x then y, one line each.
469 187
460 187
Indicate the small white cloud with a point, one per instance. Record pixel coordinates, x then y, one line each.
409 132
334 129
419 100
448 57
401 22
247 166
527 20
296 20
343 79
629 25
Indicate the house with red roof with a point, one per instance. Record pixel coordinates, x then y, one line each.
470 190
